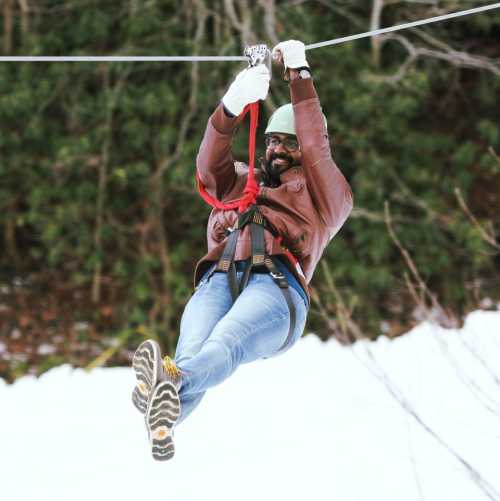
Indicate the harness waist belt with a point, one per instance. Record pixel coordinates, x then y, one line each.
260 262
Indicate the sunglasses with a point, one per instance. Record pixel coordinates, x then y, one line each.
288 143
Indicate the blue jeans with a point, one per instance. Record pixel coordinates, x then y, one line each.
216 336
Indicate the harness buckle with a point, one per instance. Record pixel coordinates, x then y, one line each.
258 259
224 265
277 275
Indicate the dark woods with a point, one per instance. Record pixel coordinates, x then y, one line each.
100 222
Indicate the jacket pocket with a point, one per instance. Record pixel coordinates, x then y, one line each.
296 243
217 230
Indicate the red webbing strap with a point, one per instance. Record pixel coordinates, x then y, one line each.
251 189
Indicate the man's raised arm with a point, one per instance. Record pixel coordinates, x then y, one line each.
329 190
214 163
327 185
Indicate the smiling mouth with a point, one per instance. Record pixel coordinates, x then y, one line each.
280 161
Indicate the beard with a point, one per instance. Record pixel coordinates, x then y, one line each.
272 170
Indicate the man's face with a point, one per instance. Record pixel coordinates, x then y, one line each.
282 152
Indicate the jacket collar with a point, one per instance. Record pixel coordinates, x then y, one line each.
290 173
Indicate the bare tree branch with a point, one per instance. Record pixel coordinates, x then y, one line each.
481 360
456 58
436 312
427 37
7 25
111 95
356 21
470 384
242 23
423 2
133 7
25 9
377 7
375 217
350 329
376 370
484 234
407 196
270 20
418 483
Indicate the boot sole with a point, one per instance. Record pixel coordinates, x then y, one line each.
147 365
163 411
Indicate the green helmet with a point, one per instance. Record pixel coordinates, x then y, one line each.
282 121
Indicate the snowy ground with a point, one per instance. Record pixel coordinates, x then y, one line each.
316 423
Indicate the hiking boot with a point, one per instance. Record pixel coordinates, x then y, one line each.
163 411
172 372
149 371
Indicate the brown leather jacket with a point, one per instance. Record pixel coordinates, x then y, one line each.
307 209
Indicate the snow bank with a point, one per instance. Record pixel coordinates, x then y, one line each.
320 422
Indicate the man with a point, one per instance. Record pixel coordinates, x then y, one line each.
242 309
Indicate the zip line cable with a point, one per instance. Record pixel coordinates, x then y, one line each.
76 59
335 41
403 26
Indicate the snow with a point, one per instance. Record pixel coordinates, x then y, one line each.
315 423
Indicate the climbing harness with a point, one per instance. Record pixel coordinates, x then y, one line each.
421 22
259 262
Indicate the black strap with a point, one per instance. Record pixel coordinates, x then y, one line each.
226 263
259 258
258 248
281 281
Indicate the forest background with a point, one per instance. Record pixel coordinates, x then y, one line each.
100 221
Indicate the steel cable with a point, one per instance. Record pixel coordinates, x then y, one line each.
313 46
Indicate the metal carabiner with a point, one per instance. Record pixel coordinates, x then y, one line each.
258 54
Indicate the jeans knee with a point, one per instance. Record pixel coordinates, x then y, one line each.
189 404
230 347
187 352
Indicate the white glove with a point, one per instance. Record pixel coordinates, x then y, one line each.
249 86
293 53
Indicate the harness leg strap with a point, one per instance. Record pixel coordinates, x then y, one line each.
281 281
259 258
226 263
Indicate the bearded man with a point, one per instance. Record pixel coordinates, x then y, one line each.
251 298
